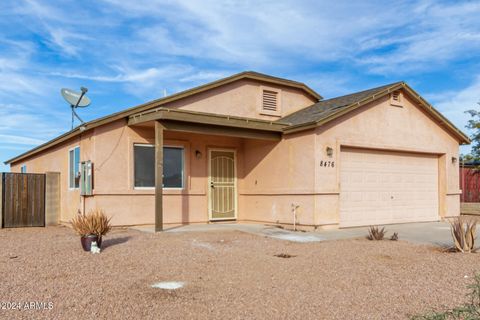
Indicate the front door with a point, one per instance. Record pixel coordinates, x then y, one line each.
222 185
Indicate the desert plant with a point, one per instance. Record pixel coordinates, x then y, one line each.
374 233
470 310
95 222
463 233
394 237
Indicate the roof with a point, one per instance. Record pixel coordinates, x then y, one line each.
313 116
324 108
328 110
160 102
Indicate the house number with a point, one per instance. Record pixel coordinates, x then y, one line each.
325 163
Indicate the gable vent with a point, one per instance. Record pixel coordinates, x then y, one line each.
396 96
396 99
270 100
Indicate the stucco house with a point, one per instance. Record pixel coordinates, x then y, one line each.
252 147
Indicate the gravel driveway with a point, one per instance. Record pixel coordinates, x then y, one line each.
227 275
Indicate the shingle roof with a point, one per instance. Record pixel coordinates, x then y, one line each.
325 108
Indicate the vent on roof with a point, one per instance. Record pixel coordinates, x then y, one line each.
396 98
270 100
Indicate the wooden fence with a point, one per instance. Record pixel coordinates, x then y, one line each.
23 200
470 184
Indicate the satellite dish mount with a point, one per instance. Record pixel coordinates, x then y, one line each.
76 100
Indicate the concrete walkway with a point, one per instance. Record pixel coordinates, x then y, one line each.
436 233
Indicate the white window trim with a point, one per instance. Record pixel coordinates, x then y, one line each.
69 175
165 146
21 167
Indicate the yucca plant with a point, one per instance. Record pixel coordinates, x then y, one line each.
374 233
463 233
95 222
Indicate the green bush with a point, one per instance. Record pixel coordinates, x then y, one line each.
468 311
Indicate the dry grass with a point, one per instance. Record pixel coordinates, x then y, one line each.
227 275
94 222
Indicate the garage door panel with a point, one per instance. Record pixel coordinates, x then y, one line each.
379 187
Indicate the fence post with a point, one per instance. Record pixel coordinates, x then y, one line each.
52 198
1 199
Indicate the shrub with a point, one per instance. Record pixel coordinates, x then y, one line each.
471 310
463 233
394 237
94 222
374 233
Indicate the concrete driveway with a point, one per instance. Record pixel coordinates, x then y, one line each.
436 233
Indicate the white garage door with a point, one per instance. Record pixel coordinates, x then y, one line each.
380 187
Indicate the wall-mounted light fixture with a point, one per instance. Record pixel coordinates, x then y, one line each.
454 159
198 154
329 151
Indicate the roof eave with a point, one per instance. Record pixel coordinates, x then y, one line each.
162 101
462 137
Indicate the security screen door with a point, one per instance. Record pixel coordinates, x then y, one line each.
222 185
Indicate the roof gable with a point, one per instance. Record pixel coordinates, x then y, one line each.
325 111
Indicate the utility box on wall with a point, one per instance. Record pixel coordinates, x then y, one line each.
86 178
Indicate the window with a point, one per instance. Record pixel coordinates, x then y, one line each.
172 167
144 163
74 168
144 166
23 169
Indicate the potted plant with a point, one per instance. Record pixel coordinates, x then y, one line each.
91 227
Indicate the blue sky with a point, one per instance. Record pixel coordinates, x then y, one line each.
129 52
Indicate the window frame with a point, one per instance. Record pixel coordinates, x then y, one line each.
70 187
176 146
23 168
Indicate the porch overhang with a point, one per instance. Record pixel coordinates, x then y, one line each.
207 123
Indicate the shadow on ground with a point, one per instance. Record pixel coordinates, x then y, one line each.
113 242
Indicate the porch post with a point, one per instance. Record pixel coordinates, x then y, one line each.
158 176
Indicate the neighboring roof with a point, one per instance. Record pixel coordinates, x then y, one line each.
159 102
325 111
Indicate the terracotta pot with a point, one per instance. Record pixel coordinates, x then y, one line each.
87 241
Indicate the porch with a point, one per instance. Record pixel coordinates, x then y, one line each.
211 161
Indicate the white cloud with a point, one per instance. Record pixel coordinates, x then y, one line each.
17 139
455 105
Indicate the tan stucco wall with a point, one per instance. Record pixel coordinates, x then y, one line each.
271 175
243 98
290 172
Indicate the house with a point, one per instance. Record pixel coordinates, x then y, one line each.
252 147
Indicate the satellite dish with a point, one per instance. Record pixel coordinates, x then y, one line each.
76 100
74 97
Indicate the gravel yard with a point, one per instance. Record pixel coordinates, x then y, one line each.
227 275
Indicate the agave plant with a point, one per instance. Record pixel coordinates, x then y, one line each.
463 233
374 233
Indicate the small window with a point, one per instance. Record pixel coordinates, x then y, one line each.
396 98
74 168
270 100
23 169
144 166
